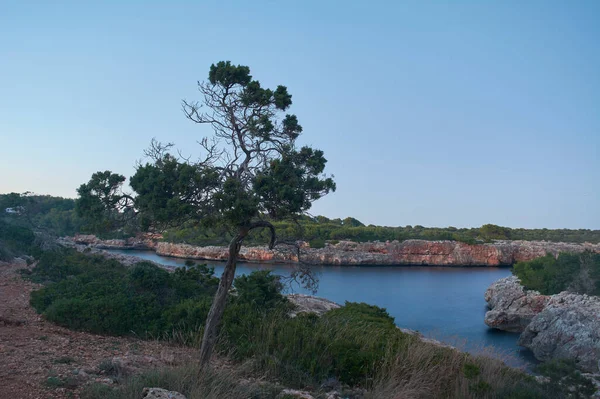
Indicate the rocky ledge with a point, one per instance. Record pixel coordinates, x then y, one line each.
511 306
142 242
567 328
561 326
409 252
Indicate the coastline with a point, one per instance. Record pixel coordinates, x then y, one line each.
413 253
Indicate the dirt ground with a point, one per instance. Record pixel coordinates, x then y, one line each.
41 360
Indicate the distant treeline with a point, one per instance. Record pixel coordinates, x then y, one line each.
27 220
57 216
319 230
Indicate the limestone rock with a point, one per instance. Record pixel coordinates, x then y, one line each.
310 304
292 393
568 328
159 393
408 252
511 306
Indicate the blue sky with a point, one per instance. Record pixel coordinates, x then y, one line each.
430 112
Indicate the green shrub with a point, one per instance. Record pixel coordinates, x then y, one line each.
261 288
91 293
15 240
348 344
551 275
565 378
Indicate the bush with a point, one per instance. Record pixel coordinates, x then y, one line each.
14 240
357 344
573 272
91 293
347 344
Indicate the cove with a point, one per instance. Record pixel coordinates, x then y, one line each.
444 303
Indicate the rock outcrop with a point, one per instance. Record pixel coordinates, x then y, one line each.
310 304
567 328
346 253
127 260
142 242
283 253
560 326
160 393
293 393
511 306
409 252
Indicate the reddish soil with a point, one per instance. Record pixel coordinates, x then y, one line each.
41 360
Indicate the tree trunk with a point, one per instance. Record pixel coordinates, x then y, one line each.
211 328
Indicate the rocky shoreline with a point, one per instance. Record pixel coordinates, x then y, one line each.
347 253
560 326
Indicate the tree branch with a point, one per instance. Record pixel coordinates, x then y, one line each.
269 225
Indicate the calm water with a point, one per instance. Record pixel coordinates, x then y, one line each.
441 302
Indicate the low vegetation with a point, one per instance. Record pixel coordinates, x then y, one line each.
15 240
356 348
58 216
91 293
320 229
578 273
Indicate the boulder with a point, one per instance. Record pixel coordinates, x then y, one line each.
159 393
511 306
294 394
310 304
567 328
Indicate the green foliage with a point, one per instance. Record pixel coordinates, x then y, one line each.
348 344
471 370
15 240
251 169
357 344
261 289
551 275
102 204
566 379
51 215
493 232
93 294
320 230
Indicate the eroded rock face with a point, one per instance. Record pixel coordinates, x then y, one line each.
310 304
409 252
143 241
511 306
127 260
568 327
283 253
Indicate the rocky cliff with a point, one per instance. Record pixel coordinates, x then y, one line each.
409 252
561 326
567 328
142 242
511 306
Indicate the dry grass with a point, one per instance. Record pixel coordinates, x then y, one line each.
212 383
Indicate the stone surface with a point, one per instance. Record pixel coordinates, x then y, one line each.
511 306
409 252
310 304
142 241
292 393
126 260
159 393
568 327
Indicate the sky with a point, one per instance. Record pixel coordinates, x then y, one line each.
430 113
